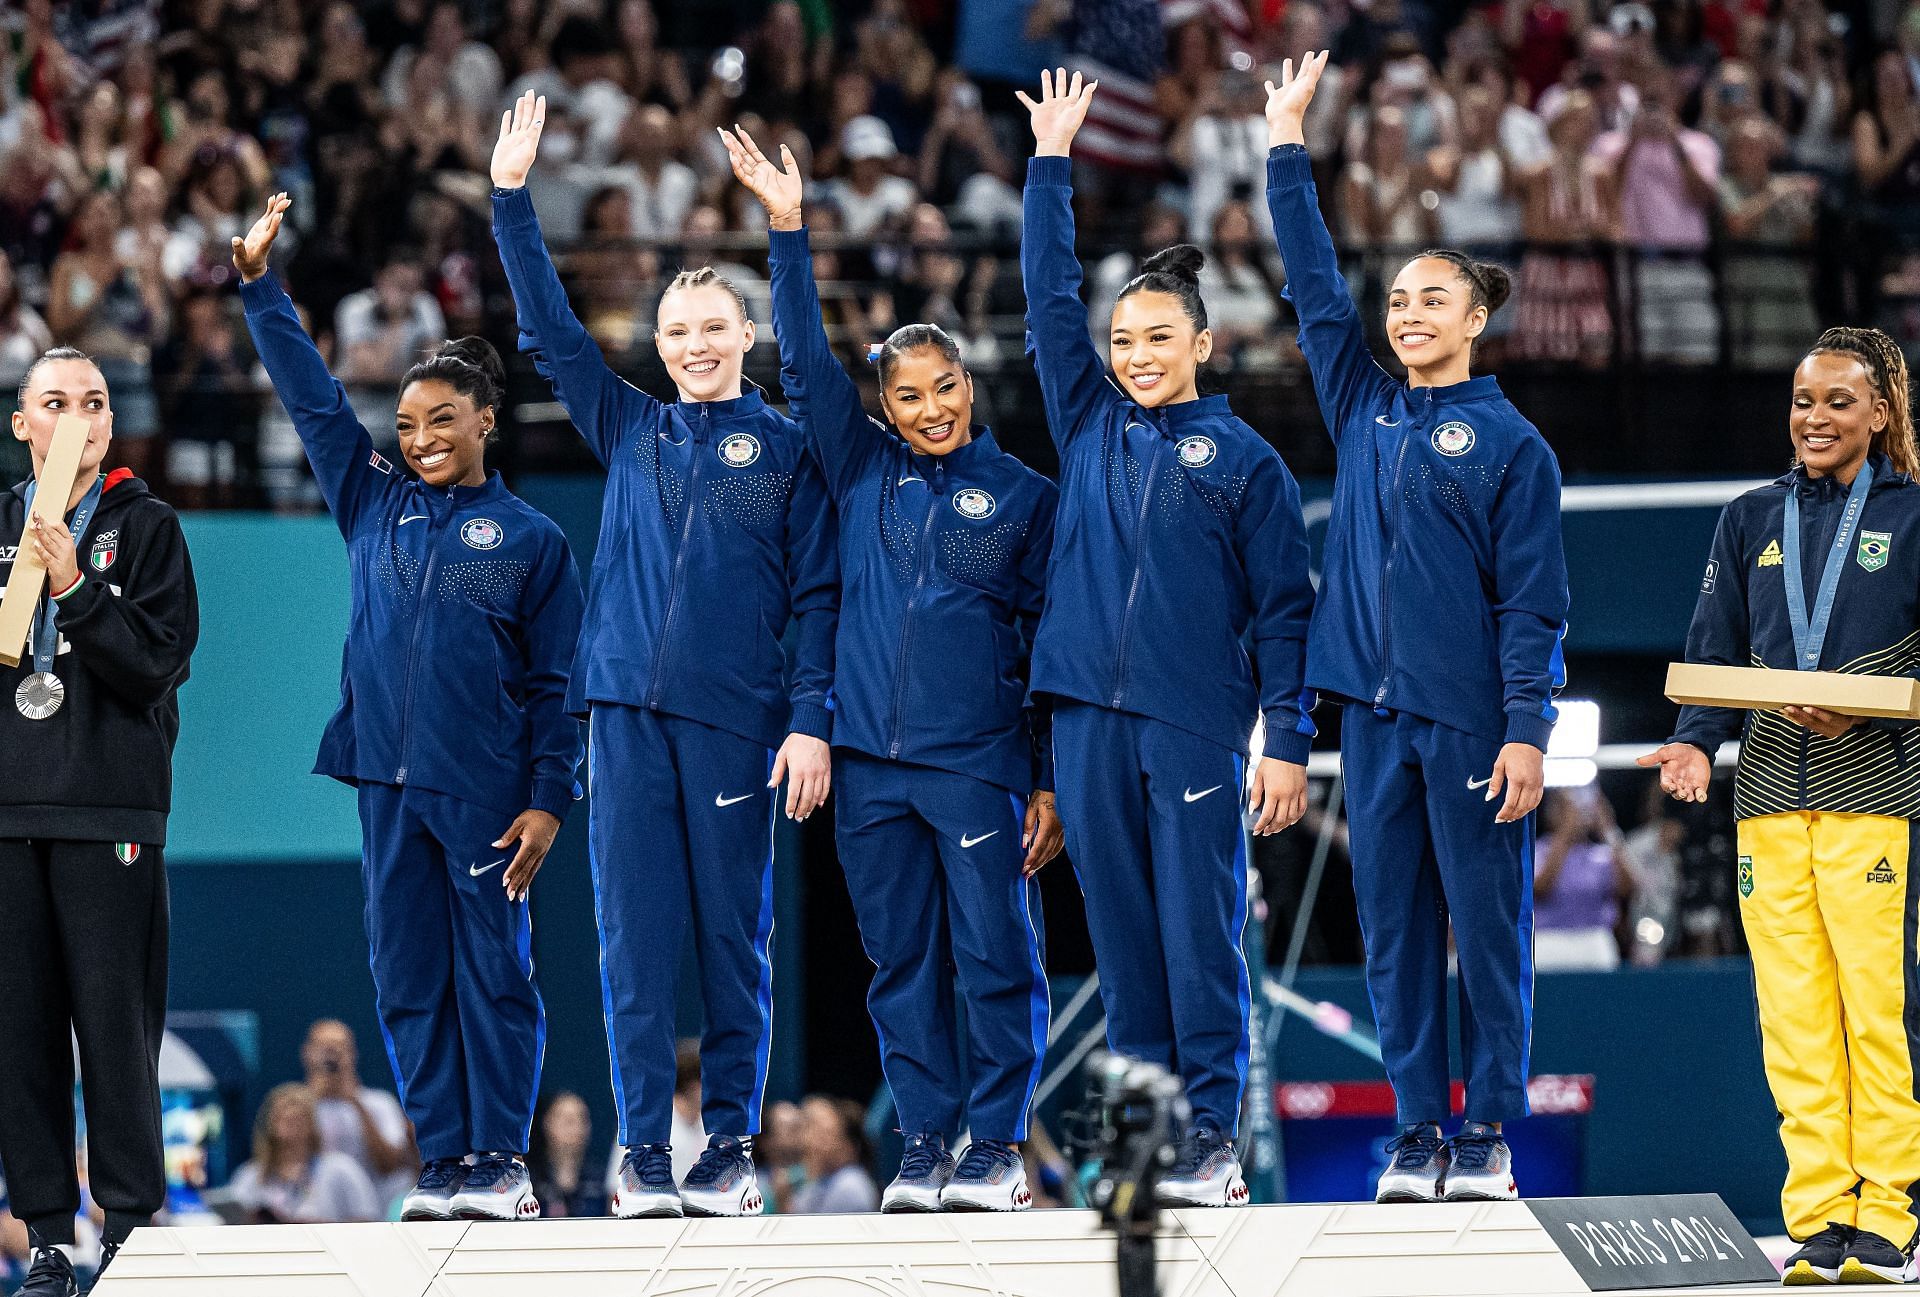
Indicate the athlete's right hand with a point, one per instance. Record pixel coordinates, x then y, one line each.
1684 771
777 188
519 141
250 252
806 763
1057 117
1287 102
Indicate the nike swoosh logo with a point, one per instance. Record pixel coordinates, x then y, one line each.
903 481
1385 422
476 871
718 800
968 842
1475 785
417 517
1192 796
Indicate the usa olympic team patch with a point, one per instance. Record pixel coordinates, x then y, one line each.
1196 452
973 503
481 533
739 450
1453 439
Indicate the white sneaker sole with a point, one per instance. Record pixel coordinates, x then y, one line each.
526 1207
426 1211
1855 1271
1405 1188
1231 1192
914 1197
1482 1193
646 1206
736 1202
977 1196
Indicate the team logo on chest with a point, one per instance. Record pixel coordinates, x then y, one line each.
1195 452
973 503
1453 439
739 450
481 533
106 548
1872 554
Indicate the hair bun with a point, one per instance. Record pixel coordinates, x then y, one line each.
1497 282
479 353
1183 261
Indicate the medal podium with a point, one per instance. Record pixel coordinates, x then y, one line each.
1497 1249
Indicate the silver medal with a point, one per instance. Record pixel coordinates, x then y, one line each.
40 695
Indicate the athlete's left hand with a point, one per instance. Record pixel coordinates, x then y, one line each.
535 832
809 762
1042 835
1276 795
1828 725
53 546
1522 771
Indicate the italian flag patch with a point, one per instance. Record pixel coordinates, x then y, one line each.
128 852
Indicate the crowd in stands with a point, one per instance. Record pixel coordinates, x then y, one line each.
1658 173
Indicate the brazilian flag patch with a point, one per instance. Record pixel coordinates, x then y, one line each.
1872 554
127 852
1746 875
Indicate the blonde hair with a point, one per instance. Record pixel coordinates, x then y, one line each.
1886 367
701 277
266 1145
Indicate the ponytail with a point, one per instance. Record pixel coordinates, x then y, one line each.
1886 368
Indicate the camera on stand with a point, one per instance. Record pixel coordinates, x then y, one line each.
1140 1113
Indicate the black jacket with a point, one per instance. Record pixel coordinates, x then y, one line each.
101 768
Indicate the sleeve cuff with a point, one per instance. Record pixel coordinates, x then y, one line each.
555 797
513 207
1523 727
1289 166
1050 171
79 579
261 292
1285 743
788 244
1710 746
812 719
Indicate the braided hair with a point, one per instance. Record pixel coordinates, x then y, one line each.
1886 368
701 277
471 367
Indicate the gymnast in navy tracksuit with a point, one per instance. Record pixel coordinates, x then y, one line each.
943 798
452 725
1439 625
717 530
1180 541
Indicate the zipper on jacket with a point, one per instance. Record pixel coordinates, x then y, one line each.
1393 548
688 507
936 491
419 621
1139 551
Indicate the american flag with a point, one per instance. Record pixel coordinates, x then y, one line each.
1122 44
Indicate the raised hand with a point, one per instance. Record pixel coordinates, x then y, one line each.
1684 771
250 252
1287 102
1057 116
519 142
777 188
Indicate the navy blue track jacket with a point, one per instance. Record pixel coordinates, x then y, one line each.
1180 532
1445 590
716 531
1741 620
943 562
466 605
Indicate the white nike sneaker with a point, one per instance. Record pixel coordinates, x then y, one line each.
926 1168
991 1177
432 1197
1416 1167
497 1187
1479 1166
645 1186
1208 1174
722 1182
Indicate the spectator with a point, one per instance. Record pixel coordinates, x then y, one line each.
291 1179
703 243
464 68
1240 288
962 167
777 1154
1653 920
23 337
1886 146
867 195
40 184
835 1157
1303 26
116 310
1562 313
378 333
1816 69
562 1133
1478 181
647 73
780 65
1223 148
1729 98
364 1125
1597 73
101 144
660 189
1769 218
612 282
1541 38
1580 876
207 131
213 407
1667 176
215 209
1679 36
145 235
1380 193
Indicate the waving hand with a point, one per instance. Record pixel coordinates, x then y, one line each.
1060 111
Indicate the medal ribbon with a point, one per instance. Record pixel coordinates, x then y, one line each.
46 635
1809 636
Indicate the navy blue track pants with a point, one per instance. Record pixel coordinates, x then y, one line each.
1154 826
452 962
933 863
1426 850
680 834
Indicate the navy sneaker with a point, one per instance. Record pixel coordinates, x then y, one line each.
1207 1175
497 1187
1818 1260
925 1168
1872 1259
991 1177
51 1276
722 1182
1479 1166
1416 1165
645 1186
432 1197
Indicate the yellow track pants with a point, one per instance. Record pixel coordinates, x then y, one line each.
1829 911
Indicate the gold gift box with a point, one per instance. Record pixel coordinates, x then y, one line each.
1765 689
